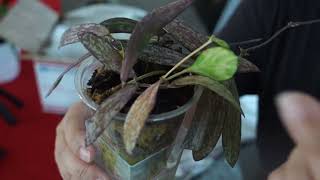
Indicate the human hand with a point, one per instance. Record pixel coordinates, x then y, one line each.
300 113
73 159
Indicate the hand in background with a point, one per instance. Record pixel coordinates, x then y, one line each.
73 159
301 115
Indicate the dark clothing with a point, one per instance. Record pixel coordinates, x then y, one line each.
290 62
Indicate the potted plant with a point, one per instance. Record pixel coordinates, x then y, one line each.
166 89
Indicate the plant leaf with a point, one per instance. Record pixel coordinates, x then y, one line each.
185 35
219 42
101 50
183 130
246 66
106 111
211 84
231 134
138 114
119 25
58 80
150 25
217 63
71 35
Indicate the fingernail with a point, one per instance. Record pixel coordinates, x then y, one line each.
85 155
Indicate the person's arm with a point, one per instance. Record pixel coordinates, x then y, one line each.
252 19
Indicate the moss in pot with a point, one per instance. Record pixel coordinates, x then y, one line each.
147 111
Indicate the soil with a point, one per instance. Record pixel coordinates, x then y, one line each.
103 80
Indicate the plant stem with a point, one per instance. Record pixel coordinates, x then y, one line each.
276 34
177 74
187 57
245 42
150 74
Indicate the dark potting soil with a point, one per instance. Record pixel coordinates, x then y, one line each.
102 81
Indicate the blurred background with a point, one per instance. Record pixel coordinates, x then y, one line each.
30 62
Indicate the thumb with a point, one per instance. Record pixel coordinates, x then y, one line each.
300 113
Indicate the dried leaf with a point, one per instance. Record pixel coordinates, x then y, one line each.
58 80
119 25
106 111
150 25
231 134
246 66
100 48
213 110
211 84
138 114
217 63
71 35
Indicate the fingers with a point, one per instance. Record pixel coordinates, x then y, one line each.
295 168
301 115
74 129
72 168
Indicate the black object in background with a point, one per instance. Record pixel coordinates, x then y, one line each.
4 111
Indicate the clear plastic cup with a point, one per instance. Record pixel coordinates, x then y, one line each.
150 155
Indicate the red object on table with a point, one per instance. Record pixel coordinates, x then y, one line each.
29 144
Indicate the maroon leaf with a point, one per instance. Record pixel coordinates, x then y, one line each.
246 66
106 111
58 80
150 25
100 48
138 114
71 35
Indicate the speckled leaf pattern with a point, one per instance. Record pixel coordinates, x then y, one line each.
106 111
211 84
71 35
213 110
138 115
58 80
119 25
100 48
231 134
217 63
150 25
246 66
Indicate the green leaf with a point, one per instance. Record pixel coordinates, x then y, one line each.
211 84
119 25
219 42
217 63
231 134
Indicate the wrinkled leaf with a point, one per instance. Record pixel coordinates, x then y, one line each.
213 109
71 35
219 42
106 111
231 134
150 25
119 25
216 63
246 66
138 114
211 84
101 50
58 80
183 130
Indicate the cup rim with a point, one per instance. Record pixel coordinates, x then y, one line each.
121 116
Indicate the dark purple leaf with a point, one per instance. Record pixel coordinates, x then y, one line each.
71 35
100 48
58 80
246 66
106 111
150 25
138 115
